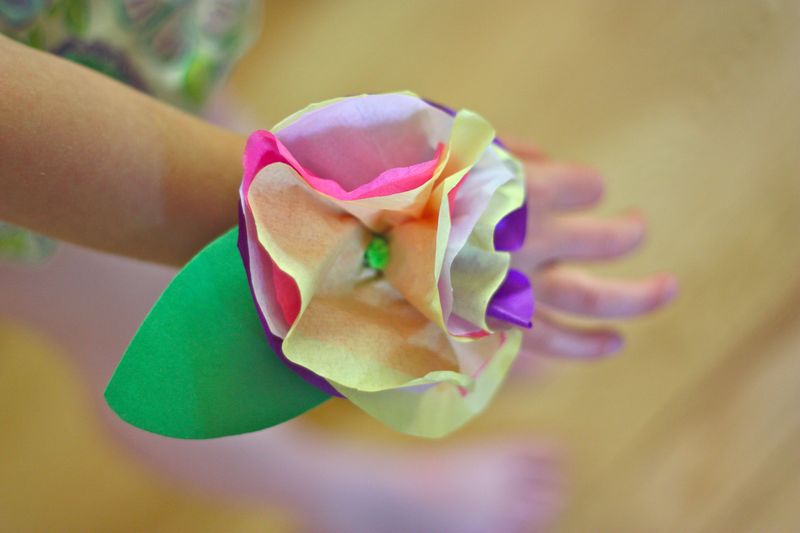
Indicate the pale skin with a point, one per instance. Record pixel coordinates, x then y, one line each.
88 160
100 165
559 232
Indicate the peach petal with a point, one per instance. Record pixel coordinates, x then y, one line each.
299 232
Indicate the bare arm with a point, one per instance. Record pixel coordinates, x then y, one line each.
86 159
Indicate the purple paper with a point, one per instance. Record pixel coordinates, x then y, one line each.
509 234
513 302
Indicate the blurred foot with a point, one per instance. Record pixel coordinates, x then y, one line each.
499 488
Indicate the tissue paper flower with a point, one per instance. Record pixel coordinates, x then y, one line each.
375 233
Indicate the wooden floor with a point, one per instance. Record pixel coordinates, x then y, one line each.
692 110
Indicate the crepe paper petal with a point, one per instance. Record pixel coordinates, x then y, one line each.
368 338
477 274
509 235
452 112
391 181
353 141
468 206
199 366
300 232
378 213
412 270
361 143
274 341
276 294
479 269
436 409
420 246
513 302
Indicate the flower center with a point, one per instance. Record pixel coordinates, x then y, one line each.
376 255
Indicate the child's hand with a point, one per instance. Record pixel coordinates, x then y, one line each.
554 236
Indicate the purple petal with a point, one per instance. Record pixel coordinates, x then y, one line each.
274 341
509 234
513 301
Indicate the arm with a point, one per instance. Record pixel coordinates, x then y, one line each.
86 159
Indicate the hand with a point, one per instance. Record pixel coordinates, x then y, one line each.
554 235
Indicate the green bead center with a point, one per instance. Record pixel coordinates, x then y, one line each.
377 253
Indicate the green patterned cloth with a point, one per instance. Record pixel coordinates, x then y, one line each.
179 51
23 245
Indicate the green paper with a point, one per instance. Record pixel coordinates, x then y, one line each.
377 253
200 366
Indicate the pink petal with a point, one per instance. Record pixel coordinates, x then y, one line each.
392 181
354 141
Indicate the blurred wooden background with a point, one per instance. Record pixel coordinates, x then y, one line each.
691 109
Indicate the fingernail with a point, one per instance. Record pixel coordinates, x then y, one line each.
635 214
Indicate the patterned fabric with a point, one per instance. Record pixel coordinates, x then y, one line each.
22 245
179 51
176 50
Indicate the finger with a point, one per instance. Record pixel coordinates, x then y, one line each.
591 238
576 291
548 337
568 186
525 150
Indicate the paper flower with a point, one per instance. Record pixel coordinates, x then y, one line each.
376 234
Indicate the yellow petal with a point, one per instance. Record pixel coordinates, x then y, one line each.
478 269
434 410
366 336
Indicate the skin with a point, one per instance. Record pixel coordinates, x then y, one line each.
101 165
558 232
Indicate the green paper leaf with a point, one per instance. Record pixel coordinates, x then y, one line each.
200 366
